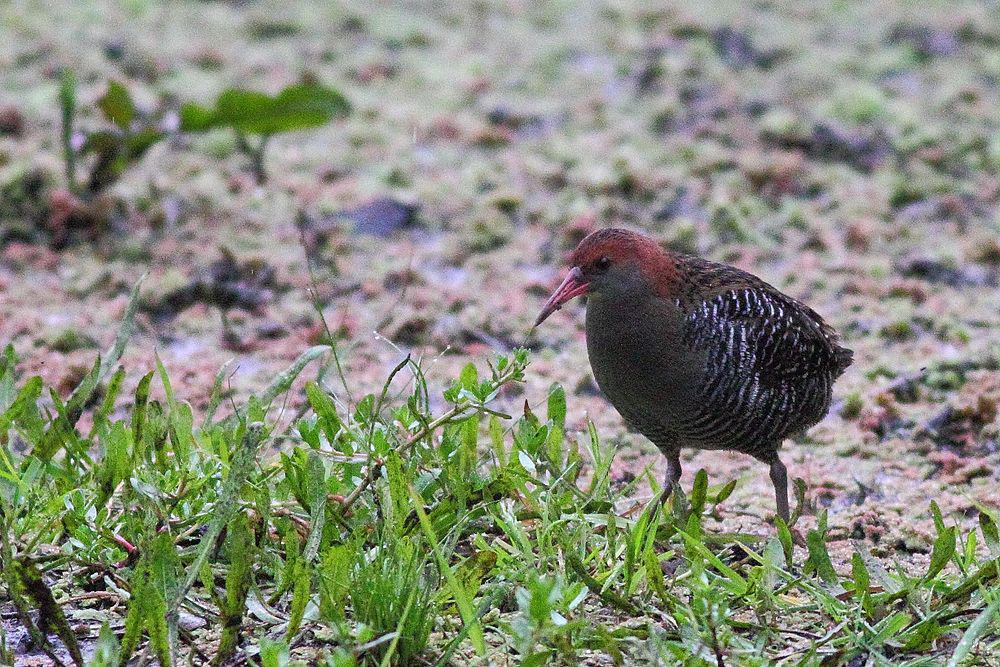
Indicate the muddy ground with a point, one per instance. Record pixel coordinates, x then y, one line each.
845 152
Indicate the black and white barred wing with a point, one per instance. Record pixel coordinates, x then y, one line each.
754 331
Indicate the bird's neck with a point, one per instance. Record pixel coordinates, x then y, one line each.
630 321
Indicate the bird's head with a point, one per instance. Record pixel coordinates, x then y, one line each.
610 262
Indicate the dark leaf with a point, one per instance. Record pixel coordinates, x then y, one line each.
726 491
138 143
102 143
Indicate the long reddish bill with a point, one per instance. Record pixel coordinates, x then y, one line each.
571 287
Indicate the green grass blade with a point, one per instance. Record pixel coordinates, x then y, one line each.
469 618
240 547
284 381
125 330
974 633
240 470
31 585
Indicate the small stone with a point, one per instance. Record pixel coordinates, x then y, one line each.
190 622
12 122
382 217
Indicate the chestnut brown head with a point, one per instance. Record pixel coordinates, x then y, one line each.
610 261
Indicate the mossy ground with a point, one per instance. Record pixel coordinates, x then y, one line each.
845 152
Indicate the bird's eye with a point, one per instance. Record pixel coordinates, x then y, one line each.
602 263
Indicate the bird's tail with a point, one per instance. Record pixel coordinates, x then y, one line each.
844 358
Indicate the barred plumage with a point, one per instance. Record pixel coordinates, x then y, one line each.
698 354
771 361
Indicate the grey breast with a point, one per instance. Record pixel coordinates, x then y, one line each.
641 364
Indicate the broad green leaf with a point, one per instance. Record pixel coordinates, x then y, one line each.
334 580
819 561
325 409
316 493
105 650
273 653
937 516
537 659
117 105
557 406
699 492
196 118
469 377
892 626
726 491
554 447
23 411
862 580
296 107
944 548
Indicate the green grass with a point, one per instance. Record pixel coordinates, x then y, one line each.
421 526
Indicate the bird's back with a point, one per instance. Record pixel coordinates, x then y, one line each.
770 361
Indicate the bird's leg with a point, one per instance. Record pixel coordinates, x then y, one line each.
673 475
779 477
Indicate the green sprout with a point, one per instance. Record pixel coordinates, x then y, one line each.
255 117
111 150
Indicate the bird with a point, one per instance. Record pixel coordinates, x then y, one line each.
698 354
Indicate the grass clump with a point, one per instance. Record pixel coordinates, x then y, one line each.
403 528
392 596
